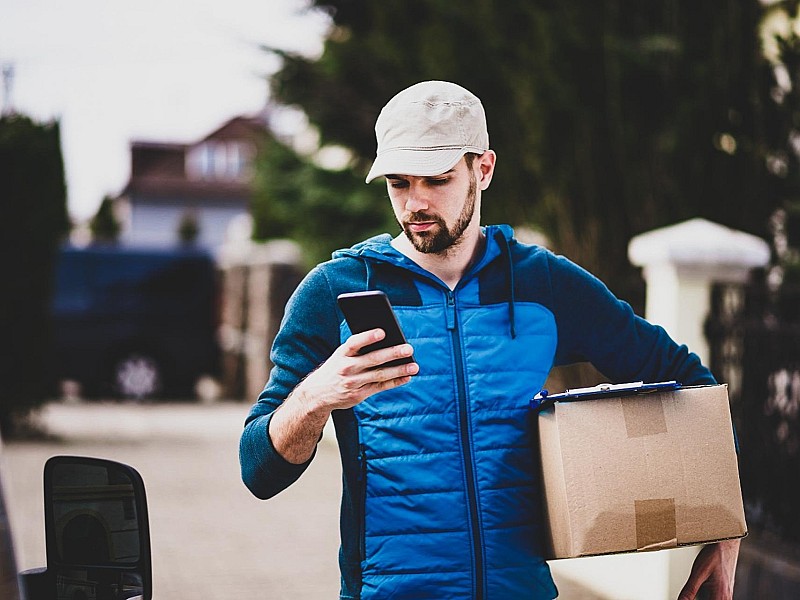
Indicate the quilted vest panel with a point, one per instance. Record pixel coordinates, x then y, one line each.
451 507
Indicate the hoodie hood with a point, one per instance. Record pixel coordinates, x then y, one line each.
499 239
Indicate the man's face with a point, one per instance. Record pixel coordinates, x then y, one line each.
434 211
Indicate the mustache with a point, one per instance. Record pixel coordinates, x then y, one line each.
419 217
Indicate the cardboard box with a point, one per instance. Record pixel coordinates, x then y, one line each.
631 473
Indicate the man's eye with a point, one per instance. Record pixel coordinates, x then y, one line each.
398 183
440 181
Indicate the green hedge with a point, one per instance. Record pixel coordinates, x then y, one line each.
33 220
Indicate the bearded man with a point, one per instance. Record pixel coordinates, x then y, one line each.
441 496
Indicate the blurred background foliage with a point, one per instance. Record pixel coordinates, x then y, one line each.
33 219
609 118
322 209
104 226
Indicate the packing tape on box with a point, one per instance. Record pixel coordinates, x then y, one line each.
656 525
644 418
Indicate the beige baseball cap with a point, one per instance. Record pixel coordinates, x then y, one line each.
426 129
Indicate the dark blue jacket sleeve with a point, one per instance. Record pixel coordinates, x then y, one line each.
595 326
308 335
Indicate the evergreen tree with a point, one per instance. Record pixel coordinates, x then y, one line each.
104 225
783 137
188 228
33 217
321 209
609 118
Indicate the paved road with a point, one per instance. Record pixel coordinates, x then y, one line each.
211 539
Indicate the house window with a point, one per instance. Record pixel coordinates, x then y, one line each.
220 161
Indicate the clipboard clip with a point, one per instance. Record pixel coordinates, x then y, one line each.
544 399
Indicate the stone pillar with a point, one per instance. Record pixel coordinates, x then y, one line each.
274 272
681 263
258 279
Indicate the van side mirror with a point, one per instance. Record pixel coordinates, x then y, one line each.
96 529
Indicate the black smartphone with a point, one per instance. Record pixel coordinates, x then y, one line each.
372 310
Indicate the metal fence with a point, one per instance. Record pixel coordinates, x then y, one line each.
754 338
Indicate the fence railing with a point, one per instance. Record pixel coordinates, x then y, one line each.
754 340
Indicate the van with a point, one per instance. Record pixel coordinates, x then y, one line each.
134 322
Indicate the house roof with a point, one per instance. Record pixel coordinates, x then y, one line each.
168 169
239 128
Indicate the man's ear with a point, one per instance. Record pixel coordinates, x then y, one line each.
486 168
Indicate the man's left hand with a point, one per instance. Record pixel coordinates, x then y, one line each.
714 570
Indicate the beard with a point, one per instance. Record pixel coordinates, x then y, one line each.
440 238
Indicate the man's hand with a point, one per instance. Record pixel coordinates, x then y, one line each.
714 570
347 378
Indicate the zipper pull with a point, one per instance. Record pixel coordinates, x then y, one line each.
450 313
362 463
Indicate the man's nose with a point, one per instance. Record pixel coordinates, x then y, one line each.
416 201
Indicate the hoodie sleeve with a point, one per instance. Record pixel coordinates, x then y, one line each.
309 333
595 326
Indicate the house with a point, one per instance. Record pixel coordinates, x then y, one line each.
180 193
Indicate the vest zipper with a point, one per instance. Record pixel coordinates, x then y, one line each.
466 449
362 476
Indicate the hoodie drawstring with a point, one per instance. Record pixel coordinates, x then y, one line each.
511 299
368 270
506 249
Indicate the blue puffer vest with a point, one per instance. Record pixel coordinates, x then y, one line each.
447 471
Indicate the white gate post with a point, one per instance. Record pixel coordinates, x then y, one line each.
680 265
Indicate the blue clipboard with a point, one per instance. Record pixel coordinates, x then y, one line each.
543 399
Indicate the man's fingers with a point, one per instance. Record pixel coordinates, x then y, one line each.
380 357
689 592
713 573
383 374
388 384
358 341
355 344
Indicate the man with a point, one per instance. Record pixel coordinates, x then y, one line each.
440 496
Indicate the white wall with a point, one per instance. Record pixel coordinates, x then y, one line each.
158 225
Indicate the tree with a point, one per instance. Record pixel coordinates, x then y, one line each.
609 118
33 217
104 225
782 132
188 228
321 209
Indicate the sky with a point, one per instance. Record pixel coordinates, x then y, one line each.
158 70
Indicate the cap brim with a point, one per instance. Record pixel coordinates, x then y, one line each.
418 163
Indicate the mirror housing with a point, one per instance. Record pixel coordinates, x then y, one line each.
96 530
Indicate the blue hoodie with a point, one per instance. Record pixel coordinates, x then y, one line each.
440 477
